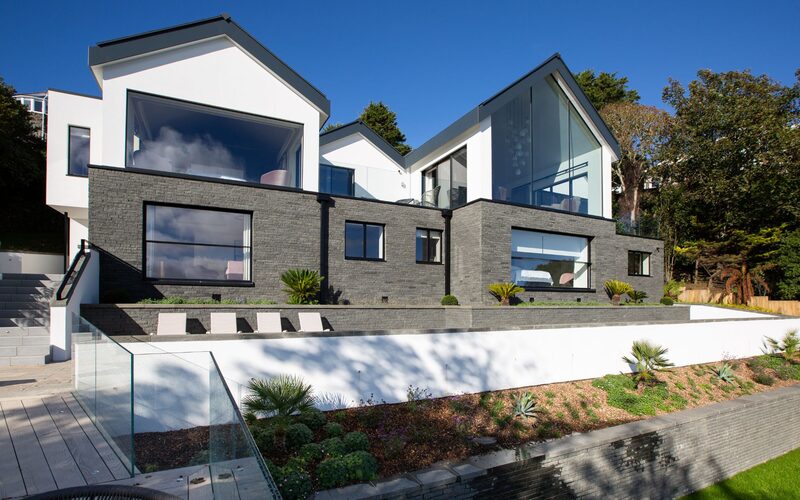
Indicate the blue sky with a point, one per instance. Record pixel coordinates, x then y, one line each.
430 61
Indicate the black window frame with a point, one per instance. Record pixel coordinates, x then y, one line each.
364 246
441 242
589 263
69 150
631 253
351 172
195 282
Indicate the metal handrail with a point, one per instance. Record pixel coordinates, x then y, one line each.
73 274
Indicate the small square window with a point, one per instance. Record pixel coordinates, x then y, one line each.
429 246
638 263
363 241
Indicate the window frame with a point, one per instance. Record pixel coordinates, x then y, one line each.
589 263
641 261
69 149
441 242
352 174
195 282
364 246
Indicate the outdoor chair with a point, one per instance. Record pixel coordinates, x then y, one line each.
171 324
430 198
223 323
311 322
269 322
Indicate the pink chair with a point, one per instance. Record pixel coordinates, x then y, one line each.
276 178
235 270
566 278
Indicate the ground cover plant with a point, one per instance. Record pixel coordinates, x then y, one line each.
185 300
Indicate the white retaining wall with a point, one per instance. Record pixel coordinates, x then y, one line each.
31 262
344 370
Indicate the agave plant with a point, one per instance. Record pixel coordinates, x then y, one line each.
302 285
724 372
789 346
636 297
524 405
278 397
615 289
647 359
504 292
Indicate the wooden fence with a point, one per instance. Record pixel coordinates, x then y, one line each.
705 296
788 307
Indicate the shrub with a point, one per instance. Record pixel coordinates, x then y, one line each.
667 301
505 292
332 473
311 452
293 484
418 393
356 441
789 345
672 289
761 377
361 466
449 300
302 285
524 405
265 439
616 289
333 447
724 372
297 435
313 418
280 396
637 297
621 393
332 429
647 359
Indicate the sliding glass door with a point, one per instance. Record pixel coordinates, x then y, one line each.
445 184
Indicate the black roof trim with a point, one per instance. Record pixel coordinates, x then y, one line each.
356 127
552 64
150 41
75 93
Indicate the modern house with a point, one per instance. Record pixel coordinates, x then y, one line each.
201 171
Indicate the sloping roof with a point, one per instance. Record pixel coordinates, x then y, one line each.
151 41
552 64
359 127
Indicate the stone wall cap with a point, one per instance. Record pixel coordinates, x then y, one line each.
435 477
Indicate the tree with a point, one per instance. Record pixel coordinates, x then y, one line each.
332 126
788 262
21 151
605 88
641 132
383 121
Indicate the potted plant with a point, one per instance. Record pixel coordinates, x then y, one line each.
615 289
504 292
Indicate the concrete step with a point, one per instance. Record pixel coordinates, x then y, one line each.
22 313
4 283
24 360
31 276
49 292
29 305
25 297
24 350
24 331
23 322
23 340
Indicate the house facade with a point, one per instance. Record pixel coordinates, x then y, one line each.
201 171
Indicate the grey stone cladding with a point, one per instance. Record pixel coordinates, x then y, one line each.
660 458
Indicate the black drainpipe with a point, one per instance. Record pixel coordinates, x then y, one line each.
66 241
325 203
448 215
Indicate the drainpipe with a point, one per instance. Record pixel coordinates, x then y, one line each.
448 215
325 203
66 241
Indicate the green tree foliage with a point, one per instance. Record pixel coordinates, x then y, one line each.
788 263
332 126
605 88
383 121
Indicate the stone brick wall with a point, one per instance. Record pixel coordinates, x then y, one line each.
660 458
142 319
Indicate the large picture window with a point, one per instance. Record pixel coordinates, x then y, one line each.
79 141
336 180
429 246
638 263
445 184
186 138
363 241
548 260
194 244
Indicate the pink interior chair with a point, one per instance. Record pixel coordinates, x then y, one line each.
566 278
276 178
235 270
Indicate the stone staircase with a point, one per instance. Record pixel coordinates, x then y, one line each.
25 317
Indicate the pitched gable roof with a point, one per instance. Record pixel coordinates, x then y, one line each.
359 127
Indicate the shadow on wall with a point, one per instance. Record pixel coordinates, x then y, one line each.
117 277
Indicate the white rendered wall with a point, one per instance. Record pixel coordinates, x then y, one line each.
86 291
343 370
376 175
214 72
78 230
67 193
31 262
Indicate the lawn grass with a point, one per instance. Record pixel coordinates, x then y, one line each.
774 479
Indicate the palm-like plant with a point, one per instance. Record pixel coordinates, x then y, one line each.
789 346
504 292
278 397
740 281
615 289
647 359
302 285
637 297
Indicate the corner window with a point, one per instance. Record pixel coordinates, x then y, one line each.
336 180
78 161
445 184
549 260
194 244
638 263
363 241
429 246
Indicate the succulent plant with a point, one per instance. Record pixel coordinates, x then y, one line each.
724 372
525 405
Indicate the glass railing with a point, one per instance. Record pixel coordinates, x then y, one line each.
644 227
181 413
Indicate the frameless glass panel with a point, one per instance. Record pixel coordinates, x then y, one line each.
458 189
336 180
354 240
549 260
587 164
374 242
511 151
79 139
173 136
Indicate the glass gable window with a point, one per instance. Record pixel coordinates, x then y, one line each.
185 138
543 154
79 139
429 246
547 260
445 184
638 263
363 241
336 180
195 244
